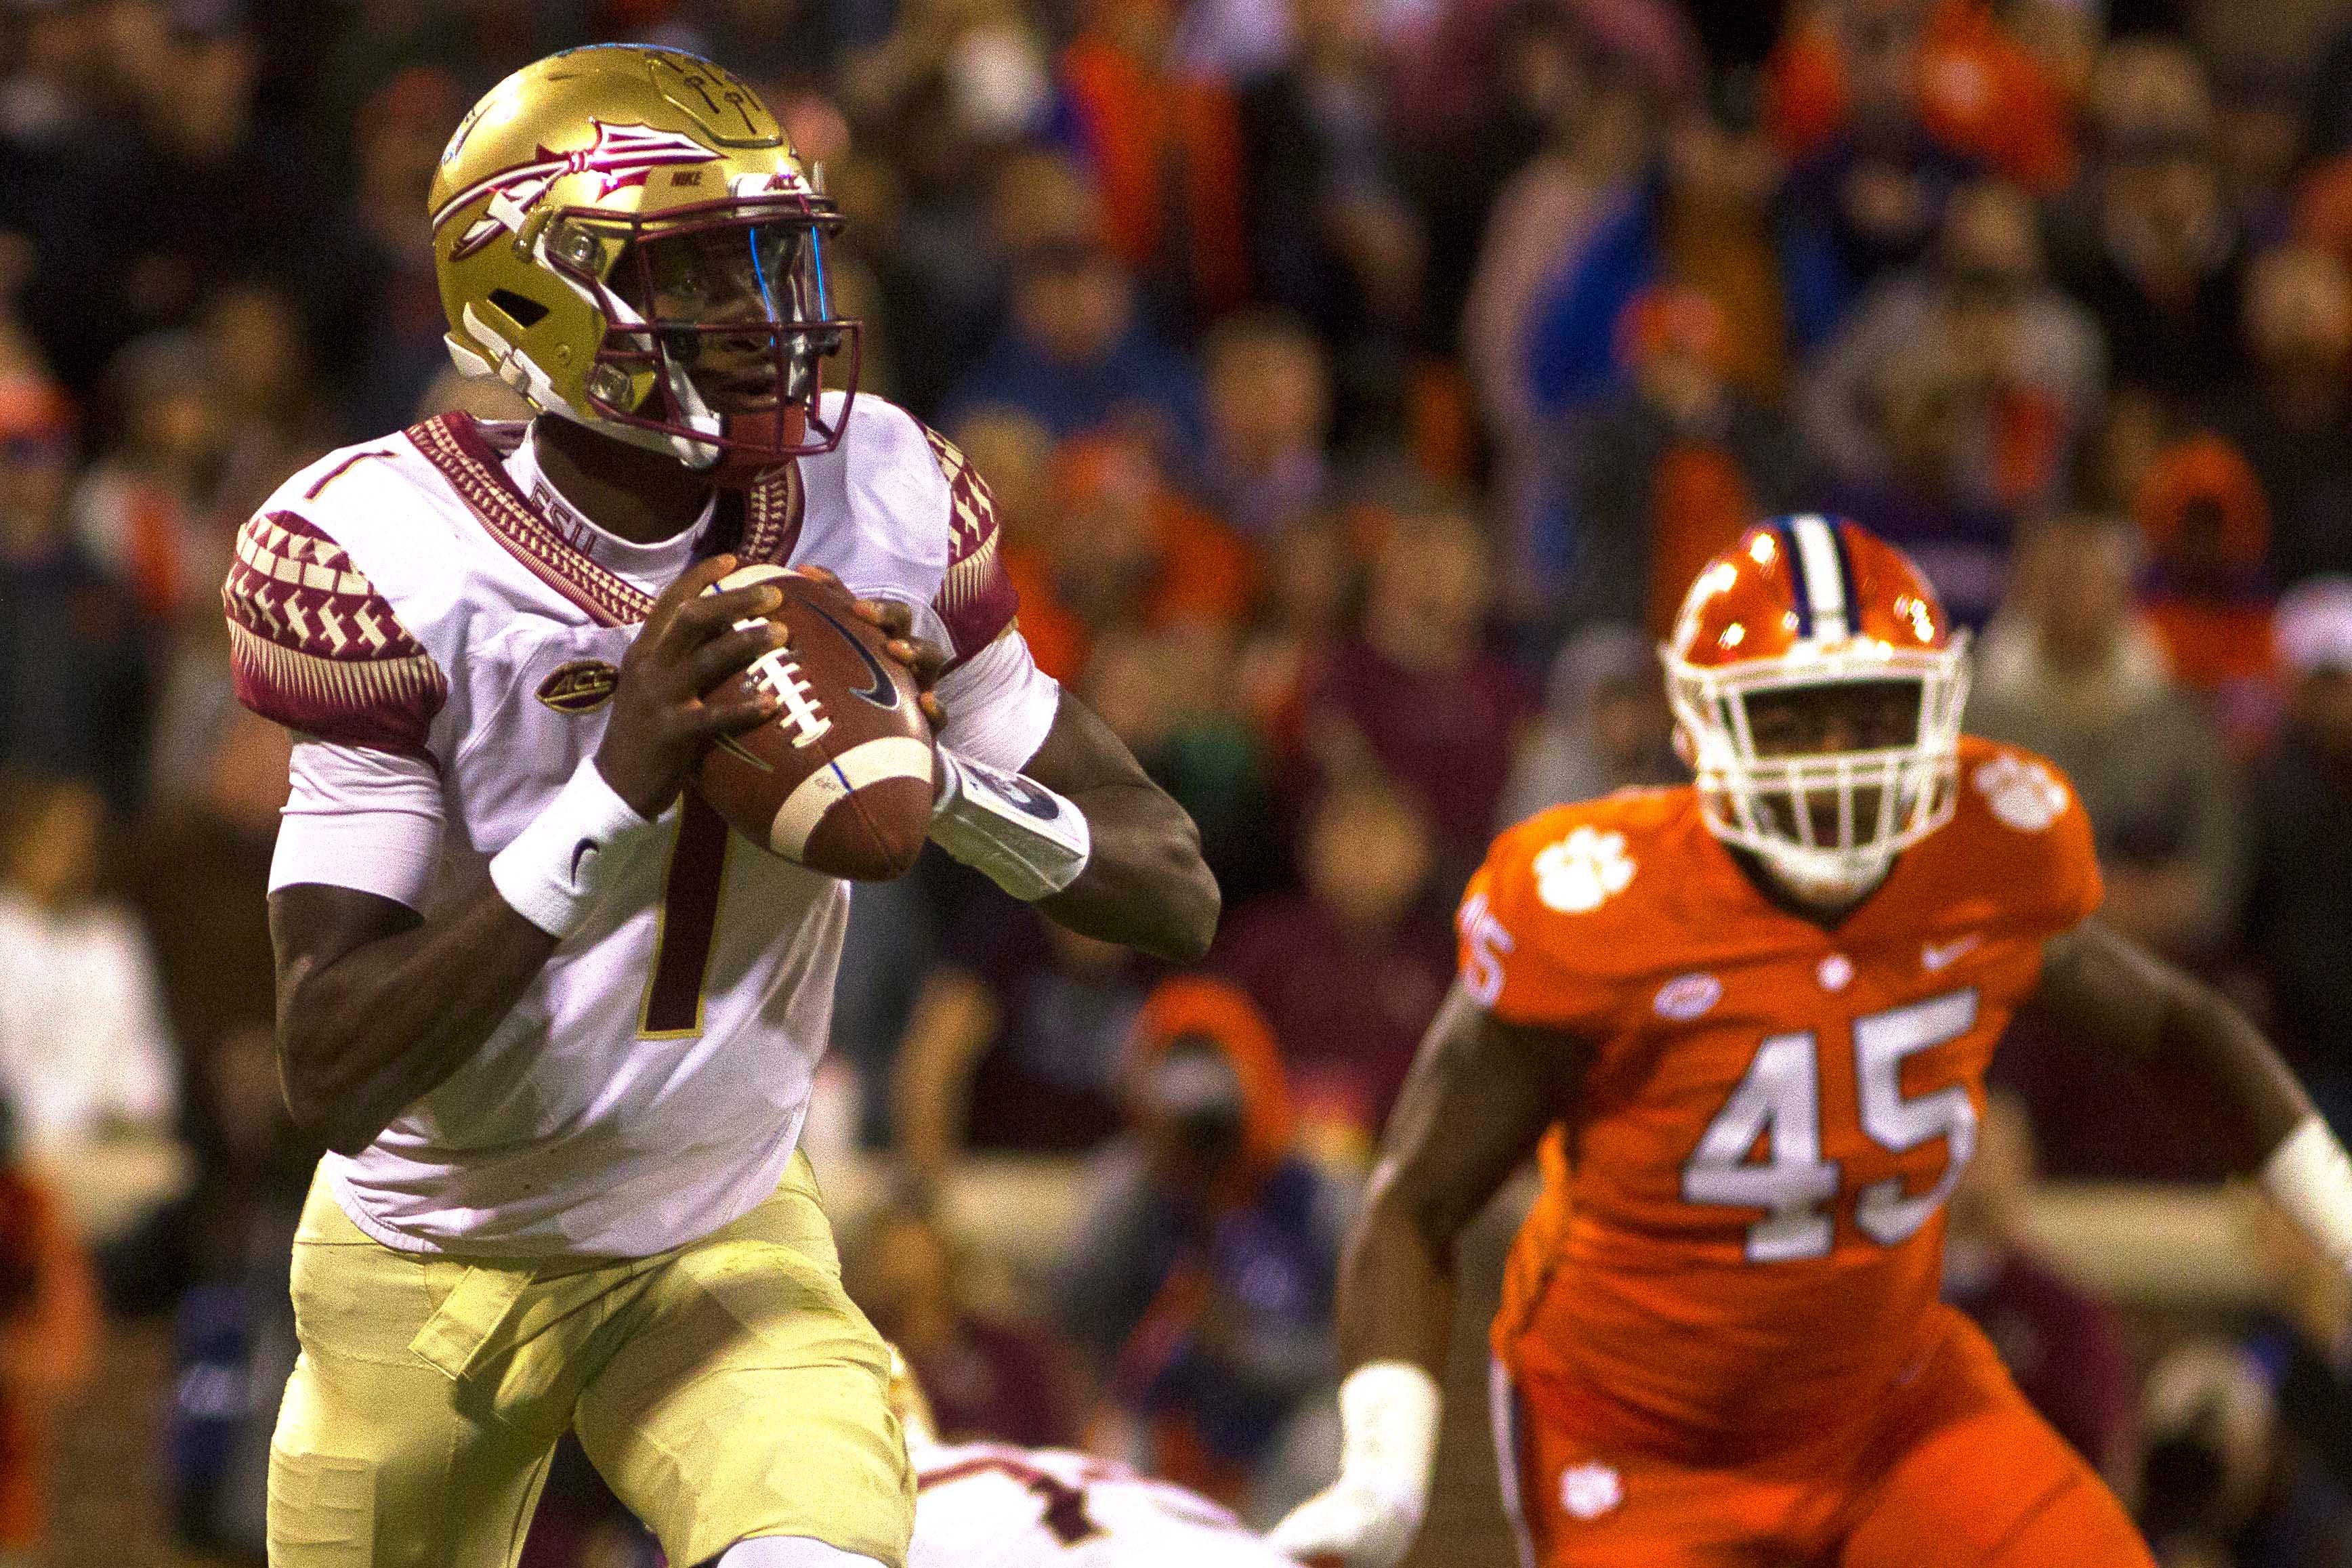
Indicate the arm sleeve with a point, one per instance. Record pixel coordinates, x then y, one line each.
360 819
1000 705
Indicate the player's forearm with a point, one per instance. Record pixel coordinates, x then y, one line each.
1145 885
364 1035
2201 1056
2217 1074
1396 1286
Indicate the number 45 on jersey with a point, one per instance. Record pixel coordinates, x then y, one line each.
1779 1100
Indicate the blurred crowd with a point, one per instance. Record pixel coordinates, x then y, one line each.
1359 382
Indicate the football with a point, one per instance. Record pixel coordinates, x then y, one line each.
841 779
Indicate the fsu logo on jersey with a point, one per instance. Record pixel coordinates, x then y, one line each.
583 685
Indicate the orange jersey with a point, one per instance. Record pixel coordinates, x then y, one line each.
1750 1226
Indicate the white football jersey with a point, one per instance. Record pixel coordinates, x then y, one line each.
442 632
985 1505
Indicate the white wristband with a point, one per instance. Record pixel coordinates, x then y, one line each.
2309 1176
1388 1423
571 853
1029 840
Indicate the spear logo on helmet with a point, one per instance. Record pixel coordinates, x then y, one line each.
621 154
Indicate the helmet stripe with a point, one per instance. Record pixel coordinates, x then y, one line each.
1796 586
1821 565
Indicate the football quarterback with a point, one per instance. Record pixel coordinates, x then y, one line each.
555 1022
1745 1024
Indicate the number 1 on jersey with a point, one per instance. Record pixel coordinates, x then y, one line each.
1779 1100
690 919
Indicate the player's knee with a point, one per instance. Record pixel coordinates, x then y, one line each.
789 1551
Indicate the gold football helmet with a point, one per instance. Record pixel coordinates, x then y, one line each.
625 236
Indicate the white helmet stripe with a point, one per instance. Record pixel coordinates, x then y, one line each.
1824 582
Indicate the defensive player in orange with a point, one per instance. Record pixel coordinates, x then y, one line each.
1753 1017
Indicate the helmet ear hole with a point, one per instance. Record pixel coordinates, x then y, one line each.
523 312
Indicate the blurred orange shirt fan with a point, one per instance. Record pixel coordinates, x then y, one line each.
1750 1235
1974 88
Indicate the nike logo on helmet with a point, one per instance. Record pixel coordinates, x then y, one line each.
880 691
1939 955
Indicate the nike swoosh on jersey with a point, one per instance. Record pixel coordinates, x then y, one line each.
879 691
1938 956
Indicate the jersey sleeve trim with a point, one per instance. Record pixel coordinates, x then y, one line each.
976 599
315 647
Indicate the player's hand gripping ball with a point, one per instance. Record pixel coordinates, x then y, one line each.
841 779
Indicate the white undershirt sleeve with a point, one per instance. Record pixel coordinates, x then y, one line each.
358 818
1000 704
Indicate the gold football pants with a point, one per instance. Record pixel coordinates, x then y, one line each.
725 1389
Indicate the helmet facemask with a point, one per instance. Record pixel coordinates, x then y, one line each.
718 327
1827 765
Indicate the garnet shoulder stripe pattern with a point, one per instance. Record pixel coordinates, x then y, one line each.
313 646
976 599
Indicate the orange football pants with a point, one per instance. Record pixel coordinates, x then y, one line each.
1951 1469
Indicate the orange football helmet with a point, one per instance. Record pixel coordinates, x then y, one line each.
1801 609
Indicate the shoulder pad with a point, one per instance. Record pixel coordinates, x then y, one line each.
315 647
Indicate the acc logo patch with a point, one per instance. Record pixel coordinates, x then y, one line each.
1590 1491
1687 996
583 685
1582 870
2024 795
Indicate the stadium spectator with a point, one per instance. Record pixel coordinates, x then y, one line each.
1604 725
1919 407
277 421
1270 409
2298 923
49 1332
2066 1348
1165 150
2221 1486
1948 67
1201 1281
2026 359
1075 357
73 668
2208 597
1649 484
2289 410
1332 238
1171 695
990 1374
1602 134
202 862
2153 249
1311 583
2069 671
377 305
1349 971
149 511
1014 1042
1416 693
86 1057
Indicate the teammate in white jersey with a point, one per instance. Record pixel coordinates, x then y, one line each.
556 1026
991 1505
